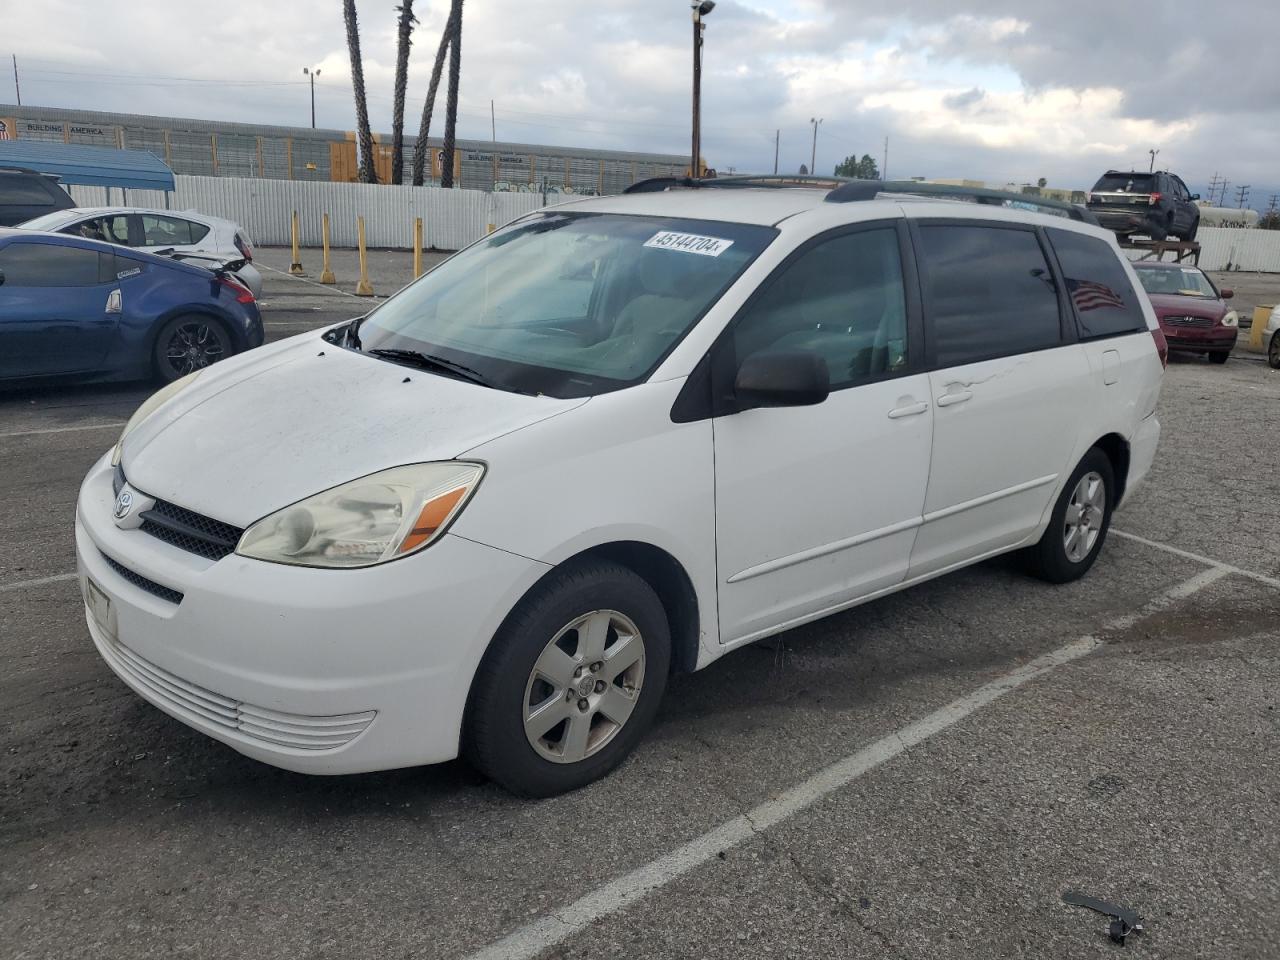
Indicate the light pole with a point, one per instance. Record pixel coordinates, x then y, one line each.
813 159
700 9
312 74
1151 169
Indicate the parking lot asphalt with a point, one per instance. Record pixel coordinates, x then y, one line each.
923 776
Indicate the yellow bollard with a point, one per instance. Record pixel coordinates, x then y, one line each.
295 267
417 247
1257 333
364 288
326 271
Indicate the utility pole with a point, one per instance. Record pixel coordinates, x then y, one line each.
884 170
777 142
17 91
1275 197
813 158
312 74
1222 192
493 123
1242 194
1213 185
1151 169
700 9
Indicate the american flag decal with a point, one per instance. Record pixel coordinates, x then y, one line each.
1090 295
4 129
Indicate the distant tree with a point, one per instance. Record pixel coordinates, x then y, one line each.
424 128
1270 220
405 28
1042 183
864 169
364 136
804 171
451 101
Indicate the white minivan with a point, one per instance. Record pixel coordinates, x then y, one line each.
615 439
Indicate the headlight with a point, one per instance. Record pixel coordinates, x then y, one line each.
377 518
149 406
1232 319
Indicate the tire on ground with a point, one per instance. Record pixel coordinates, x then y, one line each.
218 345
1048 558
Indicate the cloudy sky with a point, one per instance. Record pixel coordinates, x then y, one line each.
999 90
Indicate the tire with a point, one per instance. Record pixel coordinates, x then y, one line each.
1273 351
188 343
532 724
1195 228
1219 357
1159 231
1051 559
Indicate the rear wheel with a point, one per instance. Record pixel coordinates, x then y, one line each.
1219 357
571 682
1079 523
189 343
1195 228
1160 231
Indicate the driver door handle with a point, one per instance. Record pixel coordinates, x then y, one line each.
952 397
908 408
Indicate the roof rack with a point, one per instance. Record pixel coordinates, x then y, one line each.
847 190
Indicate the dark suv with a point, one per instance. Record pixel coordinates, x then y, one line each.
27 194
1157 204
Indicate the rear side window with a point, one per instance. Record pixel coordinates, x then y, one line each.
48 265
1105 302
167 231
988 293
1125 183
23 190
842 299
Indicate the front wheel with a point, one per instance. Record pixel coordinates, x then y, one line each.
1273 351
571 681
1219 357
187 344
1079 523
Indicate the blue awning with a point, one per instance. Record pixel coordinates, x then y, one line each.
97 166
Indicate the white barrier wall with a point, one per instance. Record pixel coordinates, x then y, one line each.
451 218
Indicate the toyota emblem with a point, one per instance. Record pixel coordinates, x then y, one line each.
124 503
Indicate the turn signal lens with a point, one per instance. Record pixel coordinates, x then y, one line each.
367 521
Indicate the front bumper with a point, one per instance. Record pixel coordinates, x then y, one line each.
1215 339
319 671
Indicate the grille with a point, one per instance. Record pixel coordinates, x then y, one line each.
1190 321
190 531
210 710
142 583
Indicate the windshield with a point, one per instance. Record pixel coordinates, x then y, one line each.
1124 183
47 221
1182 281
567 304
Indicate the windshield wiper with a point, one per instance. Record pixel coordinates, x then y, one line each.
427 361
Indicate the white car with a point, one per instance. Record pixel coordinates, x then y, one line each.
184 231
618 438
1271 338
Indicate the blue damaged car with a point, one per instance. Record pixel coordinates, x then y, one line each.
70 306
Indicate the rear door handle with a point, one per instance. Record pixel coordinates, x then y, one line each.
952 397
909 408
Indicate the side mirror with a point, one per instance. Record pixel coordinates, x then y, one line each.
782 378
1195 196
1227 293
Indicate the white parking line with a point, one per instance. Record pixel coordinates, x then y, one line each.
554 928
84 426
1199 558
38 582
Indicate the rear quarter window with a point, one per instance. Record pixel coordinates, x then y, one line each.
1105 302
198 231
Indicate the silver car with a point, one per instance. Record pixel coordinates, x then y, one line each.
183 231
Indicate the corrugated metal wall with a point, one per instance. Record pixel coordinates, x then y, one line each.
451 218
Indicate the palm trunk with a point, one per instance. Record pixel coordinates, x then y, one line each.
364 136
407 20
420 147
451 110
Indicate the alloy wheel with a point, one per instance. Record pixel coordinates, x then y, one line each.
194 346
584 686
1085 513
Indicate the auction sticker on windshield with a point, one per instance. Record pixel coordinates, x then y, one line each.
689 243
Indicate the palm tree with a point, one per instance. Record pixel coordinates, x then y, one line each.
420 147
364 135
407 20
451 108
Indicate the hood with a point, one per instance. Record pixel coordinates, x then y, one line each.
1173 305
259 432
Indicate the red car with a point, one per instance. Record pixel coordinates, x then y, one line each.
1193 313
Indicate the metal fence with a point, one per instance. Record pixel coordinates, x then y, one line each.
451 218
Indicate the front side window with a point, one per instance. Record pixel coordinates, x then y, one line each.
107 229
161 231
567 304
50 265
1178 281
988 292
842 299
1105 300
